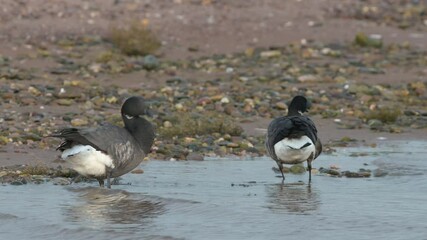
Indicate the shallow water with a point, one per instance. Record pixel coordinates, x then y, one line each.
232 199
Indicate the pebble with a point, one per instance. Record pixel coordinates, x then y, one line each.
297 169
270 54
34 91
379 173
360 174
375 124
167 124
308 78
65 102
61 181
179 106
195 156
281 106
225 100
332 172
78 122
69 92
17 183
3 140
150 62
138 171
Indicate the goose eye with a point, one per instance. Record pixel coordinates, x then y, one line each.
128 116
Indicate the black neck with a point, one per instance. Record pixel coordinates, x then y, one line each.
294 112
142 130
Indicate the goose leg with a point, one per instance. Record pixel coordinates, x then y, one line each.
281 170
108 179
309 160
101 182
75 179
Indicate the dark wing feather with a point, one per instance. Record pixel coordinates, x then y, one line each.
278 129
318 148
304 124
289 126
113 140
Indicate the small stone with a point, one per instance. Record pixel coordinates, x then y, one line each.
95 67
350 174
78 122
188 140
225 100
379 173
138 171
373 40
7 95
232 145
281 106
167 124
270 54
17 183
314 24
3 140
217 97
332 172
249 52
418 87
34 91
245 144
193 49
227 137
229 70
112 100
203 101
297 169
88 105
195 156
150 62
65 102
69 92
61 181
308 78
335 167
27 100
179 106
375 124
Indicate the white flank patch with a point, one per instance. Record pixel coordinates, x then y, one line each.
87 161
289 152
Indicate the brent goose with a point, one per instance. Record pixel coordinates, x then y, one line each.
109 151
293 138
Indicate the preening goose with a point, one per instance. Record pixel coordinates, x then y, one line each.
109 151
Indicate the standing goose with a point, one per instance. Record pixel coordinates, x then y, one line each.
109 151
293 139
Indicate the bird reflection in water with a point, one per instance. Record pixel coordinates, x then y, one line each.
101 206
296 198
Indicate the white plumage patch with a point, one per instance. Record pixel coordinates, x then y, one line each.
290 150
87 161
